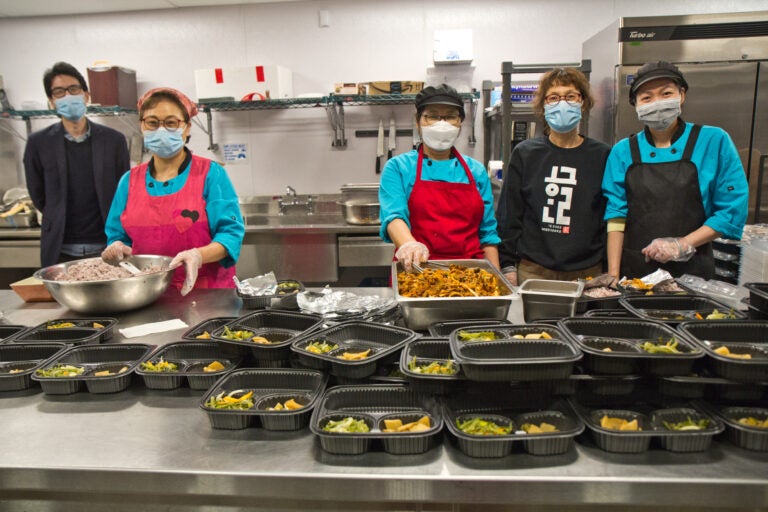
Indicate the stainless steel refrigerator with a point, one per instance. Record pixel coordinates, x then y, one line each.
724 58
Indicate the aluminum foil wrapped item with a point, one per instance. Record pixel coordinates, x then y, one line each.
340 304
256 286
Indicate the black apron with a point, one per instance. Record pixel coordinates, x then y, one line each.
664 200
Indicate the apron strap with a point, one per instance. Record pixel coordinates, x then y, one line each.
634 149
692 138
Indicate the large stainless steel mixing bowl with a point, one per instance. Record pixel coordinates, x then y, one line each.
111 296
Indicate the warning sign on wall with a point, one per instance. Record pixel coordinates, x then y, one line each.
236 153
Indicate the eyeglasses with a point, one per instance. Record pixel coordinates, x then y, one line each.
433 118
59 92
572 98
169 123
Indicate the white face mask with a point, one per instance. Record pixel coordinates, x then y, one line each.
660 114
440 136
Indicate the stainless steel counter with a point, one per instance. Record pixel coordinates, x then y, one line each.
154 450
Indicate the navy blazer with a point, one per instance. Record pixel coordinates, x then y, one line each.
45 167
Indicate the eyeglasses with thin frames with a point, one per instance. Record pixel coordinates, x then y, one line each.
572 98
433 118
169 123
60 92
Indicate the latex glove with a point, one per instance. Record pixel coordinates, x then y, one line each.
412 252
116 252
601 280
668 249
512 277
192 261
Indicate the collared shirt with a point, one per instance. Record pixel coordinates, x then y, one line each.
81 138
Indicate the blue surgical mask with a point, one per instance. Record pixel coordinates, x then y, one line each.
164 143
70 106
562 117
660 114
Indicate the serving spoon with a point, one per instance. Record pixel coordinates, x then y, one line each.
130 267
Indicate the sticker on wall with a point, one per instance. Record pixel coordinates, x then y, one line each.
236 153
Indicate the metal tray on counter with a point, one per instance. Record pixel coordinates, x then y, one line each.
421 312
19 220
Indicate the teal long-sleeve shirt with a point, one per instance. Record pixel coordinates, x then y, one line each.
722 181
399 176
225 220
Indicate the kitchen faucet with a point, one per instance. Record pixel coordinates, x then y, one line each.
290 192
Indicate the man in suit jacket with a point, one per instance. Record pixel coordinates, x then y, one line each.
72 170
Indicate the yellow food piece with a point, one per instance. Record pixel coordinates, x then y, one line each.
754 422
61 325
355 356
607 349
619 424
545 336
534 336
97 325
16 371
261 340
292 404
103 373
205 336
214 367
518 337
543 428
233 400
724 351
397 425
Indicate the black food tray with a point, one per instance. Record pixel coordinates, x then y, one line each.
82 326
743 436
444 329
650 419
190 357
507 358
9 332
610 313
624 337
425 351
24 359
95 359
758 296
740 337
384 341
673 310
586 303
515 409
269 386
373 404
208 326
280 327
716 389
276 300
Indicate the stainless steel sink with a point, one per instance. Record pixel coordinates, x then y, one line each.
293 220
322 209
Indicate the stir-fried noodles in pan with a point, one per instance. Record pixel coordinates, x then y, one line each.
457 281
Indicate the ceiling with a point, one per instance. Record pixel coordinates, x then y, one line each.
16 8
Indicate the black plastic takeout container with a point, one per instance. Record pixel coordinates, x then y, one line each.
425 351
512 408
507 358
384 342
269 386
23 359
190 357
624 337
444 329
744 436
83 333
279 300
667 308
280 327
758 296
373 404
8 332
95 358
206 326
739 337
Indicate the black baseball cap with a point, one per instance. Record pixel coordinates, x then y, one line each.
443 94
653 70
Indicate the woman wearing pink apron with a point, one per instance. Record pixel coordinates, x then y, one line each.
436 204
176 204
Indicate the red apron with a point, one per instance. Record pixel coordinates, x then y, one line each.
167 225
445 216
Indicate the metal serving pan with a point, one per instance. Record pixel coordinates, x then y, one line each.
419 313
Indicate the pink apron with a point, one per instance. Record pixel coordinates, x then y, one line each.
445 216
167 225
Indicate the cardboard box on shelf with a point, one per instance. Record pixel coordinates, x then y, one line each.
112 86
348 88
395 87
271 82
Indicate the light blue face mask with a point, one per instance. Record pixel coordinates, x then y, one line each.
562 117
164 143
70 106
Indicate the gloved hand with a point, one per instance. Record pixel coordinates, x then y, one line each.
412 252
601 280
192 261
668 249
116 252
512 277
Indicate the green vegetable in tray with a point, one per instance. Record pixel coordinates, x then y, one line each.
718 315
477 336
662 347
287 287
480 427
446 367
61 370
320 347
348 425
161 366
234 400
237 335
688 424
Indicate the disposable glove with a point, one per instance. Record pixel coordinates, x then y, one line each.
192 261
601 280
412 252
669 249
116 252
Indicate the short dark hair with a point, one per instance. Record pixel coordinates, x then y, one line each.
159 96
62 68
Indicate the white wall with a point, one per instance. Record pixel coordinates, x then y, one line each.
366 41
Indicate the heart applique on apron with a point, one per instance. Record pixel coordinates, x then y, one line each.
184 219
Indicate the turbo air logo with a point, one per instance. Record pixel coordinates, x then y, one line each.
559 187
636 34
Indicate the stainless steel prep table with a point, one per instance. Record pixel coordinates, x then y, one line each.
142 447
